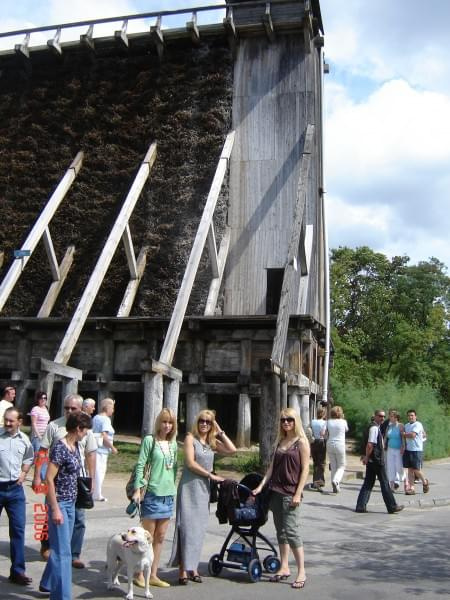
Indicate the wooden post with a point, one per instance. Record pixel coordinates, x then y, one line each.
244 416
243 436
23 360
171 394
87 300
279 342
179 311
268 417
107 367
294 402
38 229
153 401
304 410
284 396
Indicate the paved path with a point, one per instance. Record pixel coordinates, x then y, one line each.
348 556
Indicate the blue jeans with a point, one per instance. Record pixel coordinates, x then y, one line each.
12 499
78 533
57 576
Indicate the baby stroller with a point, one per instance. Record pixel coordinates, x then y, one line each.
246 514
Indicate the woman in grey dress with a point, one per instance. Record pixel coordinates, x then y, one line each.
193 493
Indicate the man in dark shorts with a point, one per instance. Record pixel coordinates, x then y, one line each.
414 435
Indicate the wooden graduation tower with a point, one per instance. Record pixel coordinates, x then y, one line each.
259 344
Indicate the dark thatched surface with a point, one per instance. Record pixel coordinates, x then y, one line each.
112 108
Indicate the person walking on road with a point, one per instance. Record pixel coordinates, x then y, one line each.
375 467
16 458
318 449
415 436
286 478
336 429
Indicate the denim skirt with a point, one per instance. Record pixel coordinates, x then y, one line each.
157 507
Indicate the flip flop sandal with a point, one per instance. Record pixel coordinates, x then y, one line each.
195 578
426 486
298 585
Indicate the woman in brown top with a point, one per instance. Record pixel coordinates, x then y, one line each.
286 477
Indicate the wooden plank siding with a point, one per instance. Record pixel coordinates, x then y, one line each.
275 96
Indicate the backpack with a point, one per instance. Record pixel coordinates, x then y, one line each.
129 487
377 456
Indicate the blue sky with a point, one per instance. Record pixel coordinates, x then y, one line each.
387 136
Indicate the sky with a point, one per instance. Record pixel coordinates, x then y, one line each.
387 111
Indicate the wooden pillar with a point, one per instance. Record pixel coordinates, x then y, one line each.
107 369
294 402
153 401
244 421
69 386
304 410
268 416
283 394
195 402
23 359
244 416
171 393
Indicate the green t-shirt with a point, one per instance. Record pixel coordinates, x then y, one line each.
163 466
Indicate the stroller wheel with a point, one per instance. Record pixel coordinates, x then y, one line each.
271 564
215 565
254 570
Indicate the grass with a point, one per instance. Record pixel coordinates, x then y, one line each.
125 459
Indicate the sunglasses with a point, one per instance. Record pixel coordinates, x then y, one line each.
287 420
204 422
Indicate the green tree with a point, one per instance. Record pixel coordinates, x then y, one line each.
390 320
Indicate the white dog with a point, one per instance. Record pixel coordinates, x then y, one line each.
134 549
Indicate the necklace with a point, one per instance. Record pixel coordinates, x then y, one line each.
169 456
288 446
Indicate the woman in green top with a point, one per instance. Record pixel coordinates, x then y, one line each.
160 452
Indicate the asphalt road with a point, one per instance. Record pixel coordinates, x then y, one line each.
348 555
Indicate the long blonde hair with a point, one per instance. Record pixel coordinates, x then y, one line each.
211 436
298 430
166 414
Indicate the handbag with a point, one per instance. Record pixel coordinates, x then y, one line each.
84 484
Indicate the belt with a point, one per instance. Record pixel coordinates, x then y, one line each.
6 484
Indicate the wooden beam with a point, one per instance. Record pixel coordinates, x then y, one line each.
51 255
23 48
87 39
150 365
279 342
214 288
129 251
191 26
212 251
56 286
268 24
157 36
133 285
190 273
228 23
39 227
54 44
98 274
62 370
121 35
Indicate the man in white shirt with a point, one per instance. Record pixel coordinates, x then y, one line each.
414 435
374 461
16 458
7 401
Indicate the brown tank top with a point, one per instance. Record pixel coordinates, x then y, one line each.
287 467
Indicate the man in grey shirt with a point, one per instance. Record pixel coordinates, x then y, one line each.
55 431
16 458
